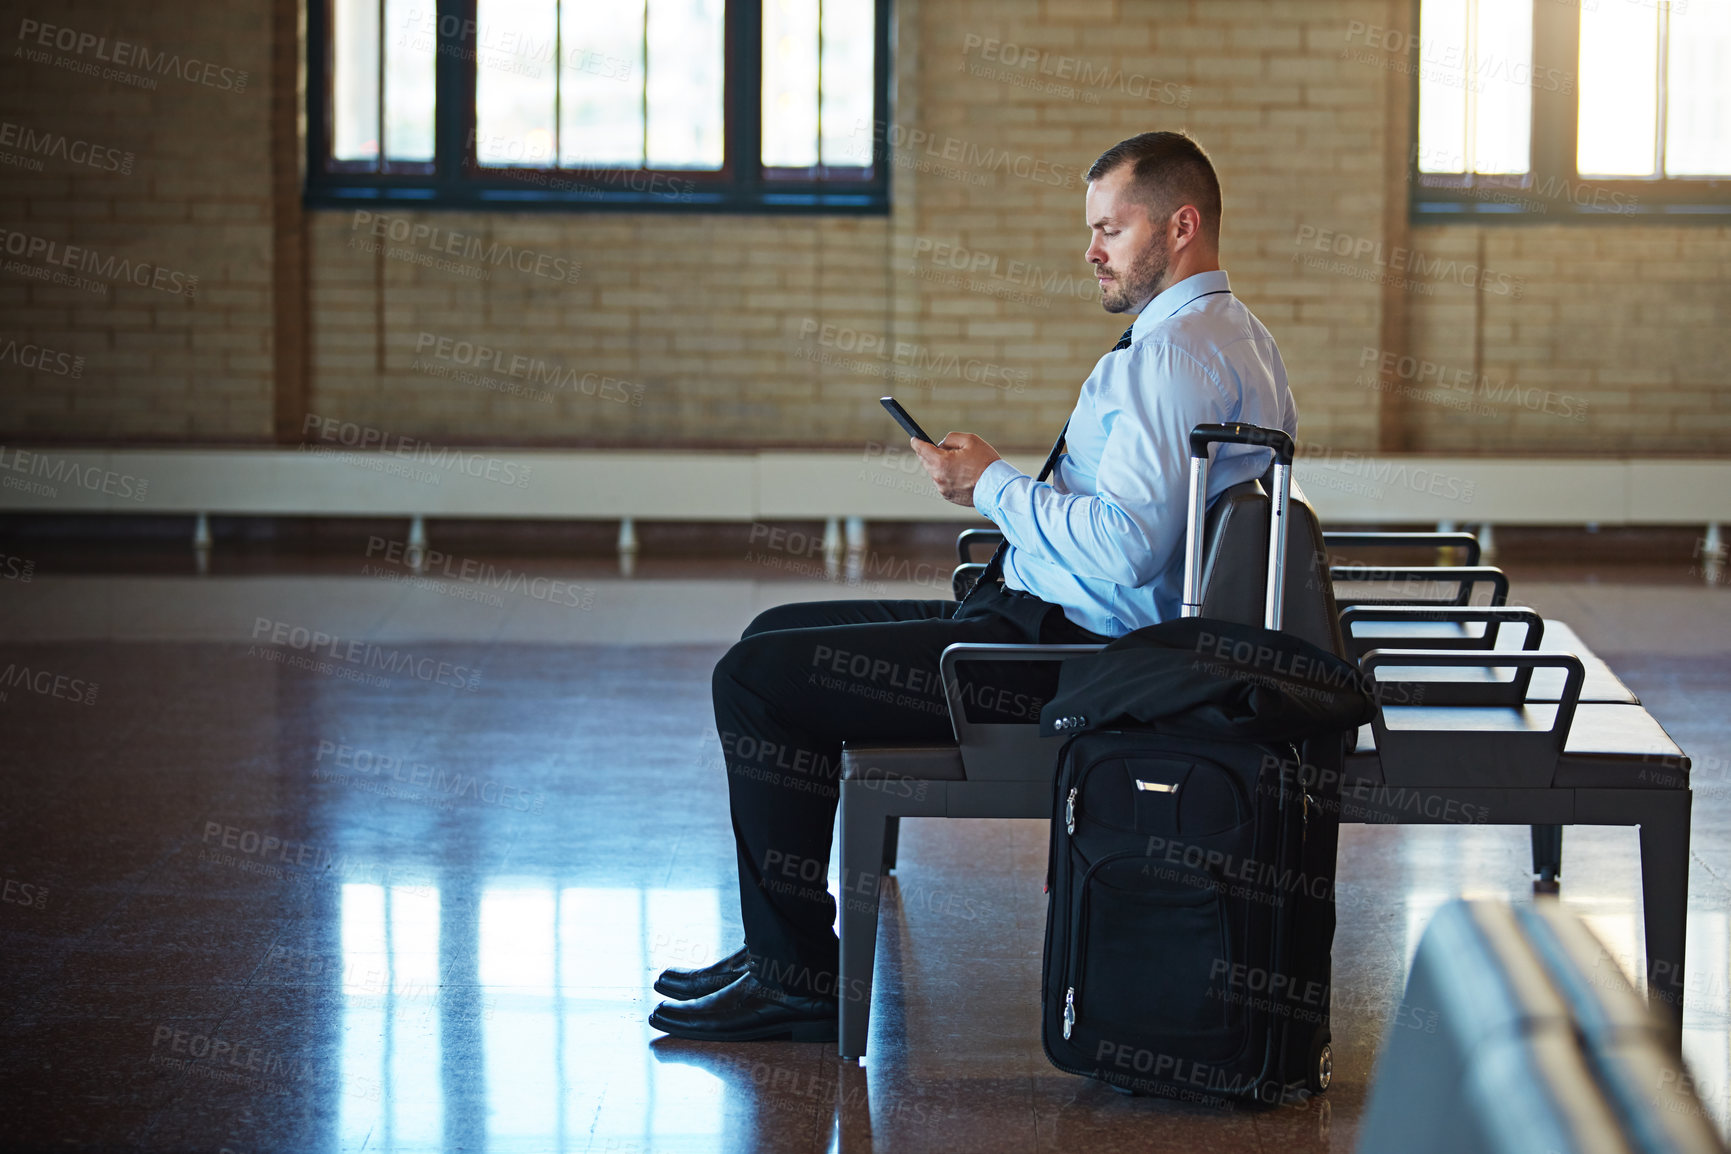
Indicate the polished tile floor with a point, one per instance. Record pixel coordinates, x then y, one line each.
260 896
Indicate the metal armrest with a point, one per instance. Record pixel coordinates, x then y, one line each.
964 577
1465 689
1406 541
1493 617
1495 745
1002 751
968 538
961 651
1468 576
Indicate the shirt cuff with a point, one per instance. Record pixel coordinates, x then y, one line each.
990 485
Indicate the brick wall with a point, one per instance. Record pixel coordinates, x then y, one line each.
971 300
170 101
1617 342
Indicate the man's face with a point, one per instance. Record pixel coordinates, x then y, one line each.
1129 250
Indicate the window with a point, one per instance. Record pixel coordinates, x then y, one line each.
1467 124
705 105
1570 109
1652 90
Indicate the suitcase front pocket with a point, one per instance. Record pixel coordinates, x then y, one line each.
1167 796
1148 959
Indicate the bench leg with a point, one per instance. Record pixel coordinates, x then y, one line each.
417 542
863 833
832 548
1487 545
1665 896
201 542
1547 853
892 841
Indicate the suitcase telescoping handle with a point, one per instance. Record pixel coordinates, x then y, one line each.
1201 438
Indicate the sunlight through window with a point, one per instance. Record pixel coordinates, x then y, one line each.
1619 81
1654 99
1475 86
355 85
818 57
1698 90
383 61
629 84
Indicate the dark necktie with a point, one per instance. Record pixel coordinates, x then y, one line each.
995 567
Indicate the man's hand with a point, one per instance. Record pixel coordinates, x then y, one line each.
955 463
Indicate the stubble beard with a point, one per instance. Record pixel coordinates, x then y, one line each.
1147 276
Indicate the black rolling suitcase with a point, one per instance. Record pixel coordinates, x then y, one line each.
1191 880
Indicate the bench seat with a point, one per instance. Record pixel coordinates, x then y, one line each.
1601 685
1610 746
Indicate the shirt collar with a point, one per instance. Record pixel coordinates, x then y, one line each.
1175 297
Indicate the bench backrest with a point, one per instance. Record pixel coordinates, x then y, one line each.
1518 1033
1235 568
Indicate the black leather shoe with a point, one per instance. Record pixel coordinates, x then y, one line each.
748 1011
684 985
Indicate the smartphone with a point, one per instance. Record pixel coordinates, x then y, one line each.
894 408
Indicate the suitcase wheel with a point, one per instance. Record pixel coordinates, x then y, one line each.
1321 1071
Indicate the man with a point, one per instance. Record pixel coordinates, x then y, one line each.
1091 554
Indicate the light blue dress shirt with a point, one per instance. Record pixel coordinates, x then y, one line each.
1104 538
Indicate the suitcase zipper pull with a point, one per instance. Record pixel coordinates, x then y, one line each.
1069 1011
1070 816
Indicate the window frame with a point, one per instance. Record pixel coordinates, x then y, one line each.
1440 198
454 180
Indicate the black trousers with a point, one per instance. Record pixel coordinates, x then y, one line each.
802 679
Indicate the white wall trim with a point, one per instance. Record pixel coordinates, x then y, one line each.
877 484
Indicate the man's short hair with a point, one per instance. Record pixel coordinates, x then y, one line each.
1171 170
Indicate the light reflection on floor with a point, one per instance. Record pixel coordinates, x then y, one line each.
479 978
562 972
